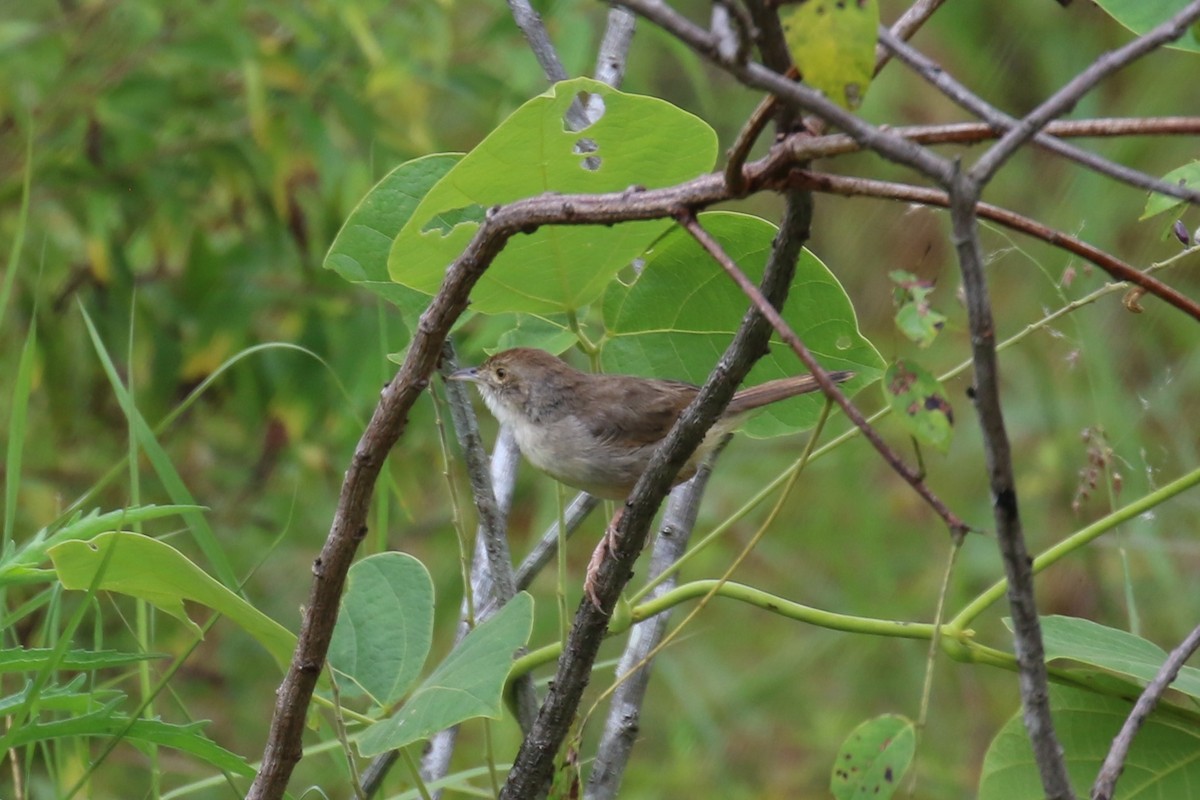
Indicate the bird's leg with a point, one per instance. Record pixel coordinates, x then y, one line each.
607 542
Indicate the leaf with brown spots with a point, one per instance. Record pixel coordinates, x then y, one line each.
874 758
918 397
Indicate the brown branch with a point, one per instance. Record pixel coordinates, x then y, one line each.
1114 762
804 147
957 527
532 769
1116 268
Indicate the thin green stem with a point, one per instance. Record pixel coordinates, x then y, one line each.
1073 542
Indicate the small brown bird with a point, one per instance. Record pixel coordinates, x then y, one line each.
597 432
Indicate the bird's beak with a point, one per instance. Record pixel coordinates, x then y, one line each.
468 374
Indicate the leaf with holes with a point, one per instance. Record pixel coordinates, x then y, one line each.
833 45
680 314
918 397
639 141
873 759
915 318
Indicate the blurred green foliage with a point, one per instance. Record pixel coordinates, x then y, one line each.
191 164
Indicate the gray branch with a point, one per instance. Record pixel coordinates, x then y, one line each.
1018 565
960 94
1065 98
1114 763
625 709
574 515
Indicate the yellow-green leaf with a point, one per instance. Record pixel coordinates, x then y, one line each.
833 45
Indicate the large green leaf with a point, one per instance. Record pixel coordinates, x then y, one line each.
385 625
1114 650
1162 763
360 252
639 141
1140 16
468 684
677 319
159 574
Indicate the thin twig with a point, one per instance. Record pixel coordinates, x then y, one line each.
1114 762
807 147
625 710
904 28
1027 635
534 764
850 187
960 94
547 545
688 221
1065 98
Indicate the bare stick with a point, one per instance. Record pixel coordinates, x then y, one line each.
1065 98
530 23
1027 634
1118 269
807 147
964 97
957 527
903 29
625 709
576 512
534 764
1114 762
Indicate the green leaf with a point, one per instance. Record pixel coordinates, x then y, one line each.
1187 175
833 45
468 684
1114 650
185 738
1162 762
21 659
919 400
360 252
20 567
639 141
915 318
385 625
159 574
874 758
677 319
176 489
1140 16
546 333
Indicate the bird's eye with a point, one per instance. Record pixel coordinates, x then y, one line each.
501 373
